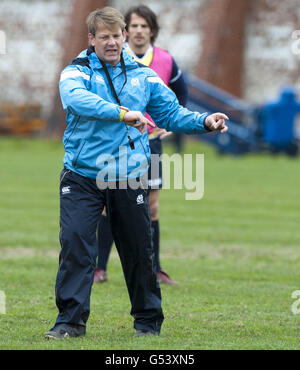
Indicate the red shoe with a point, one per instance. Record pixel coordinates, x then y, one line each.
164 278
100 276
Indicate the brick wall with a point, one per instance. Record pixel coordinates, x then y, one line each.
269 61
181 24
35 31
221 62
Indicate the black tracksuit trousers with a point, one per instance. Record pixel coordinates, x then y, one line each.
81 204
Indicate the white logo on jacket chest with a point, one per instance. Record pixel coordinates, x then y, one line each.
135 82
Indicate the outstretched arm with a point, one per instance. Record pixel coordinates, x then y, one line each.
213 122
167 113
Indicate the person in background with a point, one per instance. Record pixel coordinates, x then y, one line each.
142 30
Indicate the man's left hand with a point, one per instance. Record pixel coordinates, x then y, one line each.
216 122
161 133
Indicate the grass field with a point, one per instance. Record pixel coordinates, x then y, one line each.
236 254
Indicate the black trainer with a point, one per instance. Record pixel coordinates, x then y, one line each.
65 331
144 333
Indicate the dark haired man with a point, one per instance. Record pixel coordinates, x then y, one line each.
142 30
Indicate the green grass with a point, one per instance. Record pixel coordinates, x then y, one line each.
235 253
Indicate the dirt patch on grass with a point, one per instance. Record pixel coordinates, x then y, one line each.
21 252
201 251
286 253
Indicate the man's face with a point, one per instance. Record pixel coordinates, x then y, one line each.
139 32
108 43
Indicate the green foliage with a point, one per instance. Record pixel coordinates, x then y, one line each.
235 253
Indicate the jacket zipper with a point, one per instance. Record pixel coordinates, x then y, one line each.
76 123
77 156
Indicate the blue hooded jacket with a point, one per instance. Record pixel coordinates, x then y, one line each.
95 139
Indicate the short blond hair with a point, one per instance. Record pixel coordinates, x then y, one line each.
107 16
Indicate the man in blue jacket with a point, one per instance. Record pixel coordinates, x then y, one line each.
106 94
